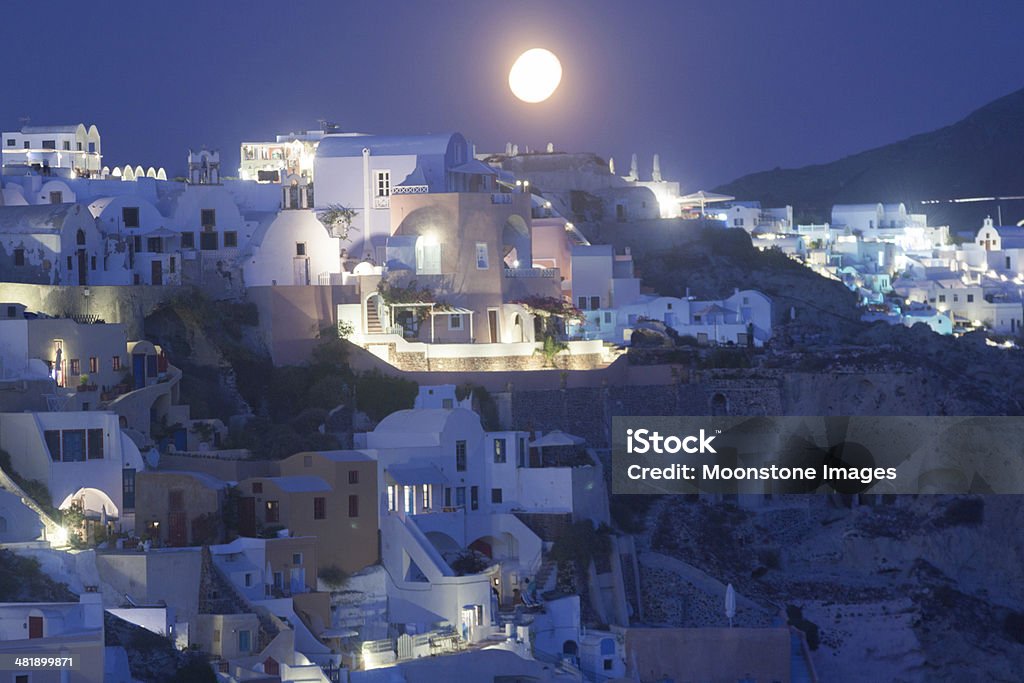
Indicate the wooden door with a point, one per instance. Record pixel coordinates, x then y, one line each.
247 516
35 627
156 272
492 325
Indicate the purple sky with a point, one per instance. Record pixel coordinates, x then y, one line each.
720 88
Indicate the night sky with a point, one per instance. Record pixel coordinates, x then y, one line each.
720 88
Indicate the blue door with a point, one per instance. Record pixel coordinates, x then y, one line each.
181 440
139 370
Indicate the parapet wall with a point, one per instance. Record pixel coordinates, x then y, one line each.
127 304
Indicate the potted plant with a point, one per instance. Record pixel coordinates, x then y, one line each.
83 384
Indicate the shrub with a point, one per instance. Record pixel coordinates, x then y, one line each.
334 576
379 395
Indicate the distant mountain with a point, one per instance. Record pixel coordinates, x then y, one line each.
981 155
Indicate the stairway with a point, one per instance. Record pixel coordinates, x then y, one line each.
373 325
217 595
546 576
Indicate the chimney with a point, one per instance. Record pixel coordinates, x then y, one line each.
92 609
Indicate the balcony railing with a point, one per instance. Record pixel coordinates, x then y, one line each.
531 272
410 189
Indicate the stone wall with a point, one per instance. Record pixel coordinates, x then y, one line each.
419 362
127 304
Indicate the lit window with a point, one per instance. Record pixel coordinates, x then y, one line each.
273 513
499 450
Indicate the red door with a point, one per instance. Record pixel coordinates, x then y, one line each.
35 627
176 533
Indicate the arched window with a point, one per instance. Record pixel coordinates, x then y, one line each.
81 237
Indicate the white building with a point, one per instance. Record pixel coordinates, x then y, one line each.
82 458
50 244
363 172
287 154
292 247
75 150
449 486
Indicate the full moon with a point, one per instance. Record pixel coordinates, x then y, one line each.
535 75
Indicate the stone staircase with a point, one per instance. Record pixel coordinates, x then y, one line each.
217 595
546 576
373 325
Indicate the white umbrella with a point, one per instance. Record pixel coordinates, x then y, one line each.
730 603
557 437
701 197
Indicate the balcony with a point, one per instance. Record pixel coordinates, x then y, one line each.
410 189
516 273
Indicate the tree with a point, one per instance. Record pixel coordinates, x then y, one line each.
337 219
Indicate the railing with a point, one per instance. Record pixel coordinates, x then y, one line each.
410 189
382 202
531 272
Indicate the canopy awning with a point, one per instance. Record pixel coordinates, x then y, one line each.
557 438
454 310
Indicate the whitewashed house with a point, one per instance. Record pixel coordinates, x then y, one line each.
449 486
287 154
82 458
363 172
72 150
56 244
